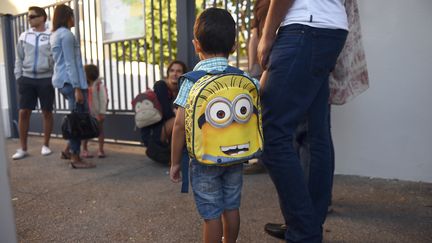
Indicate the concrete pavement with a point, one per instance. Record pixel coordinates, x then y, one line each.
129 198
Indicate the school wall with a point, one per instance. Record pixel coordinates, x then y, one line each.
5 8
7 222
387 131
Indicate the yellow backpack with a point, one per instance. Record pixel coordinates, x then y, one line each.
223 117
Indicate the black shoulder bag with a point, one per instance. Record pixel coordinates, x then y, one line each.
79 125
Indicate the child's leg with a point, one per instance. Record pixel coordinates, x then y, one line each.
84 152
212 230
101 137
231 225
84 144
209 199
232 185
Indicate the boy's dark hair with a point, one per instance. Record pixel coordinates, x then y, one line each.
62 15
39 11
215 30
92 72
182 64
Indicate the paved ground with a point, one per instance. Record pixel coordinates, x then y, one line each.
129 198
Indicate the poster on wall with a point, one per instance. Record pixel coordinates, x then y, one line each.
122 19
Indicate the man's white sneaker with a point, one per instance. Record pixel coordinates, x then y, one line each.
45 151
19 154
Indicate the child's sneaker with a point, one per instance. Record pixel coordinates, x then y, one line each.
19 154
45 151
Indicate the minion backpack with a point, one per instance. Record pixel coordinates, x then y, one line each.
223 117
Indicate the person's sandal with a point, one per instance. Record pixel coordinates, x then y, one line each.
101 155
86 154
82 165
65 155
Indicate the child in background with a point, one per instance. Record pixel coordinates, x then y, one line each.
98 103
217 189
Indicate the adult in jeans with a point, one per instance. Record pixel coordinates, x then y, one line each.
300 137
69 77
299 59
33 72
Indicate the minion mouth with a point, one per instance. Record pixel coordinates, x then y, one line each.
235 149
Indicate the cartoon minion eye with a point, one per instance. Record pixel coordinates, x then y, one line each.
243 108
218 112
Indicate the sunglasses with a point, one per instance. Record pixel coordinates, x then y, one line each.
34 16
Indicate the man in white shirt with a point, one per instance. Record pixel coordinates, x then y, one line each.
300 43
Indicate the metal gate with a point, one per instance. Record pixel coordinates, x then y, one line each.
128 66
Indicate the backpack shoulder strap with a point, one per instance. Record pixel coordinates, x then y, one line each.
231 69
192 76
228 69
196 75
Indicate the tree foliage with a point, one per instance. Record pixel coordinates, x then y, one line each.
159 45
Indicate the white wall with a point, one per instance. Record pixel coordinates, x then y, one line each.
387 131
7 222
4 106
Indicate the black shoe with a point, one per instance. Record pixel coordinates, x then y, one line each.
276 230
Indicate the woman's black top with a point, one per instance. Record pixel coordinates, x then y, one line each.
166 99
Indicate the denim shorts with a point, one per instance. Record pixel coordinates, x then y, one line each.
216 188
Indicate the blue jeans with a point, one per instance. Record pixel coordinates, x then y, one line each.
301 60
69 94
216 188
301 145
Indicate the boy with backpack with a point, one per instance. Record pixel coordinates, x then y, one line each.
218 119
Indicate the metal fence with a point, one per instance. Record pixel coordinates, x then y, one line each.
133 65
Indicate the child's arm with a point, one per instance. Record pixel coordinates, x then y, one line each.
178 142
252 48
263 80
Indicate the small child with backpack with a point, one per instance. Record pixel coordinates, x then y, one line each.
98 103
219 121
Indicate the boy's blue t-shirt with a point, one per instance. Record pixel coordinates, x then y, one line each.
211 64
